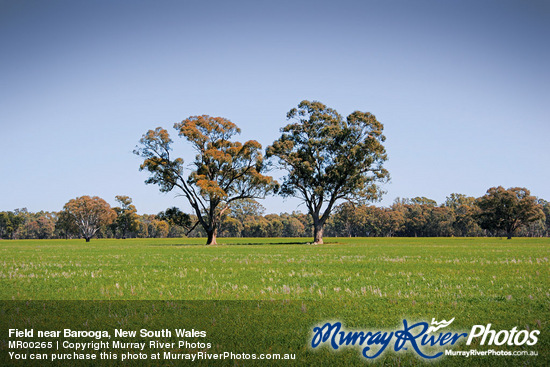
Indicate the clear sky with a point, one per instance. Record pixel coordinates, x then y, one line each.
462 88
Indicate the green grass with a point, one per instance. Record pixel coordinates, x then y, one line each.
398 269
374 282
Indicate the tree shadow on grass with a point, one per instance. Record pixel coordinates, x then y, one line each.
231 244
266 243
245 242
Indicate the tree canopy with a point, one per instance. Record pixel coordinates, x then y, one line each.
508 209
88 214
329 158
9 223
126 216
222 172
175 217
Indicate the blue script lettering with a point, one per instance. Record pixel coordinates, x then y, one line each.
404 336
378 338
338 338
323 333
414 335
442 339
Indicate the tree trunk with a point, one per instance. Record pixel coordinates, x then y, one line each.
318 234
87 239
212 234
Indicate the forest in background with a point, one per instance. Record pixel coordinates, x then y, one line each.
459 216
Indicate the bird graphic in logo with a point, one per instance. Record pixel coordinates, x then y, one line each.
439 325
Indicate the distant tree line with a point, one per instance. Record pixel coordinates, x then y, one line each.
501 212
460 216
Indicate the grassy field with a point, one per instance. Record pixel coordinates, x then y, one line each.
374 281
419 270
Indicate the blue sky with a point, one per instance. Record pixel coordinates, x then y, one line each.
462 88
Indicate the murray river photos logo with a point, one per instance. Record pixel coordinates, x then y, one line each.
428 341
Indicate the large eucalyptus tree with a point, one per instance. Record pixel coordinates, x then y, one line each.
223 171
329 158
